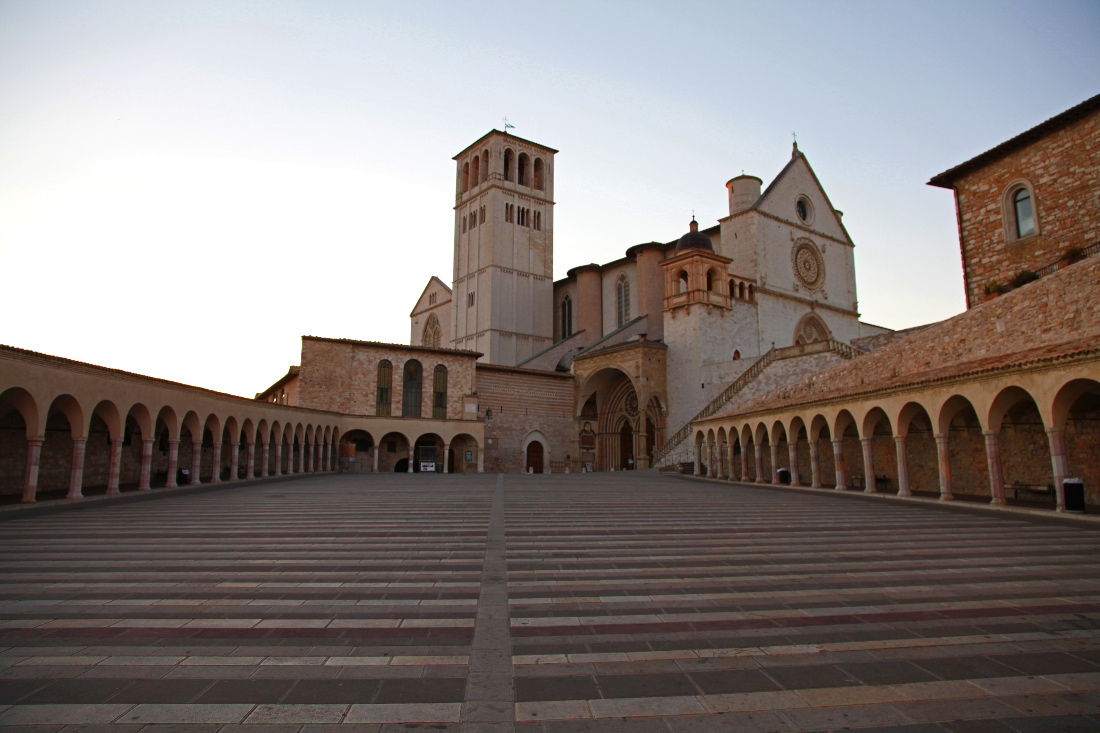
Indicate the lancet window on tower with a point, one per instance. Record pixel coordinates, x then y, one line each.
523 170
508 164
622 301
539 178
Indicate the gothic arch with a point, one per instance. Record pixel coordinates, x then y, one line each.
811 329
433 334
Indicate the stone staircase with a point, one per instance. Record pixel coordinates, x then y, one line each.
665 452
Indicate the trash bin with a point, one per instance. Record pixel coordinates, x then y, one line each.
784 476
1073 489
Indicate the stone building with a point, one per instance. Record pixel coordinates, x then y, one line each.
1030 203
1000 403
639 333
509 370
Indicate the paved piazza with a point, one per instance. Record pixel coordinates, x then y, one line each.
544 604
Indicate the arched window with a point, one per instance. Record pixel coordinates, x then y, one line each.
484 166
1025 216
540 182
385 388
524 170
507 164
622 301
710 279
752 293
733 289
682 279
432 333
566 317
475 171
1020 210
465 177
410 402
439 393
741 291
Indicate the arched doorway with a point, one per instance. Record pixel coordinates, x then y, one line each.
534 457
626 447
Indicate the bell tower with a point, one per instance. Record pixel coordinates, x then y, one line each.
504 248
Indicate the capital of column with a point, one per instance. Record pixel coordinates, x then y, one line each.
35 441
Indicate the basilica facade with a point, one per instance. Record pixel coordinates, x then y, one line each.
654 337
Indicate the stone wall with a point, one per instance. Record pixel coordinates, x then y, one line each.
523 402
1063 170
342 376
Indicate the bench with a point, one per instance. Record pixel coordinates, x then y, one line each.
856 482
1030 492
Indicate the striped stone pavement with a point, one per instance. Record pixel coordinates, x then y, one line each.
544 604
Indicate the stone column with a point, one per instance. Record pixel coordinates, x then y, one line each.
114 467
301 458
146 464
723 460
744 464
265 456
1057 440
993 460
775 462
376 458
307 458
234 460
278 459
903 466
792 455
944 459
759 450
411 458
324 457
838 463
173 463
216 467
868 466
331 456
76 475
730 466
698 471
710 459
196 461
250 461
480 460
815 466
446 454
30 476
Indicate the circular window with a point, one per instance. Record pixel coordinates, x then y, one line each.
804 209
809 267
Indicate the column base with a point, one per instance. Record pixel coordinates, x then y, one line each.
998 501
870 490
905 493
28 500
113 492
947 497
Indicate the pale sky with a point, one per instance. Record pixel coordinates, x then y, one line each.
186 188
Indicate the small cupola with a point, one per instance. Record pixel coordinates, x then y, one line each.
694 239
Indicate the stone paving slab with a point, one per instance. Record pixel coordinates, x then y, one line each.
542 604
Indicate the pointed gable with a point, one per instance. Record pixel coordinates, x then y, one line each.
797 183
425 302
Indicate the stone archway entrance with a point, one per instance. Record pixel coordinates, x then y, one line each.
626 447
534 457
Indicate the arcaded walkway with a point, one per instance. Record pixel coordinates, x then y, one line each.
551 603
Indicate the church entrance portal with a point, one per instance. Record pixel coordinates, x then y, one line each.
534 457
626 447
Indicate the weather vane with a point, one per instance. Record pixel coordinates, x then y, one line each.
507 125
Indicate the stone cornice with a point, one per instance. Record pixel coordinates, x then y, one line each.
805 301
